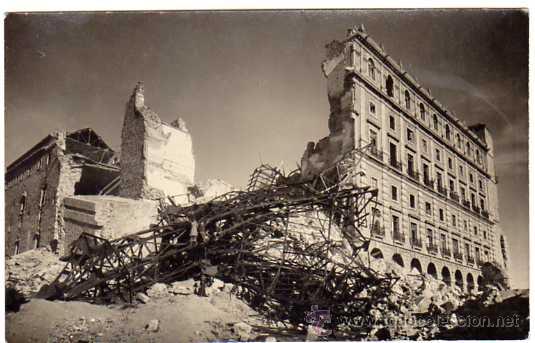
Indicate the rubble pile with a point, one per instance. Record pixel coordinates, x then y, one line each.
170 313
414 297
493 315
29 271
290 248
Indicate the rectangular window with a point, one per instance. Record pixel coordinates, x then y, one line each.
372 108
392 123
441 214
437 154
410 136
394 193
424 146
430 236
485 234
414 231
453 220
439 180
393 154
455 244
410 163
461 171
452 185
412 200
373 138
471 178
475 230
450 163
481 185
463 193
395 223
428 208
426 172
482 203
443 242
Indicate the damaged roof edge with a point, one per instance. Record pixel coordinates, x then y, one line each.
92 138
51 138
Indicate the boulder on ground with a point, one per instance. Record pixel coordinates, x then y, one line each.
29 271
142 297
158 290
185 287
242 330
153 325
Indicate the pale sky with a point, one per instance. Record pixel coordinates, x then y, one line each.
250 88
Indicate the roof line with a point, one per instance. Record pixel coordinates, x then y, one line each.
372 44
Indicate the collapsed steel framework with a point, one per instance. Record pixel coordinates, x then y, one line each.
251 238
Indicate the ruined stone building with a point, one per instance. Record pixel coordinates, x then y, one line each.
70 183
60 165
437 207
157 158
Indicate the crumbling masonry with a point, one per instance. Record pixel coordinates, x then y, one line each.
156 158
61 165
70 183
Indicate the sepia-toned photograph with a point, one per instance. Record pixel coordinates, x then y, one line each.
266 175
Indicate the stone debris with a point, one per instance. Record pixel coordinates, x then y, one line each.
243 331
153 325
186 287
158 290
142 297
29 271
381 292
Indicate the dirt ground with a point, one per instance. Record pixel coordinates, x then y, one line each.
180 318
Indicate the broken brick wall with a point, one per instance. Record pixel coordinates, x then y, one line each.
33 198
156 158
343 137
34 195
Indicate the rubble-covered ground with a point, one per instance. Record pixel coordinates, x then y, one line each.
171 314
27 272
425 309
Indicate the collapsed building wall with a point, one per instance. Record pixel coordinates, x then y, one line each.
157 158
39 180
343 113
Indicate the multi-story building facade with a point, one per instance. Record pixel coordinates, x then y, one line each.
437 208
62 164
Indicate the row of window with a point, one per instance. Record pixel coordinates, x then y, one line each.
428 209
438 154
24 174
434 121
438 157
444 242
467 196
